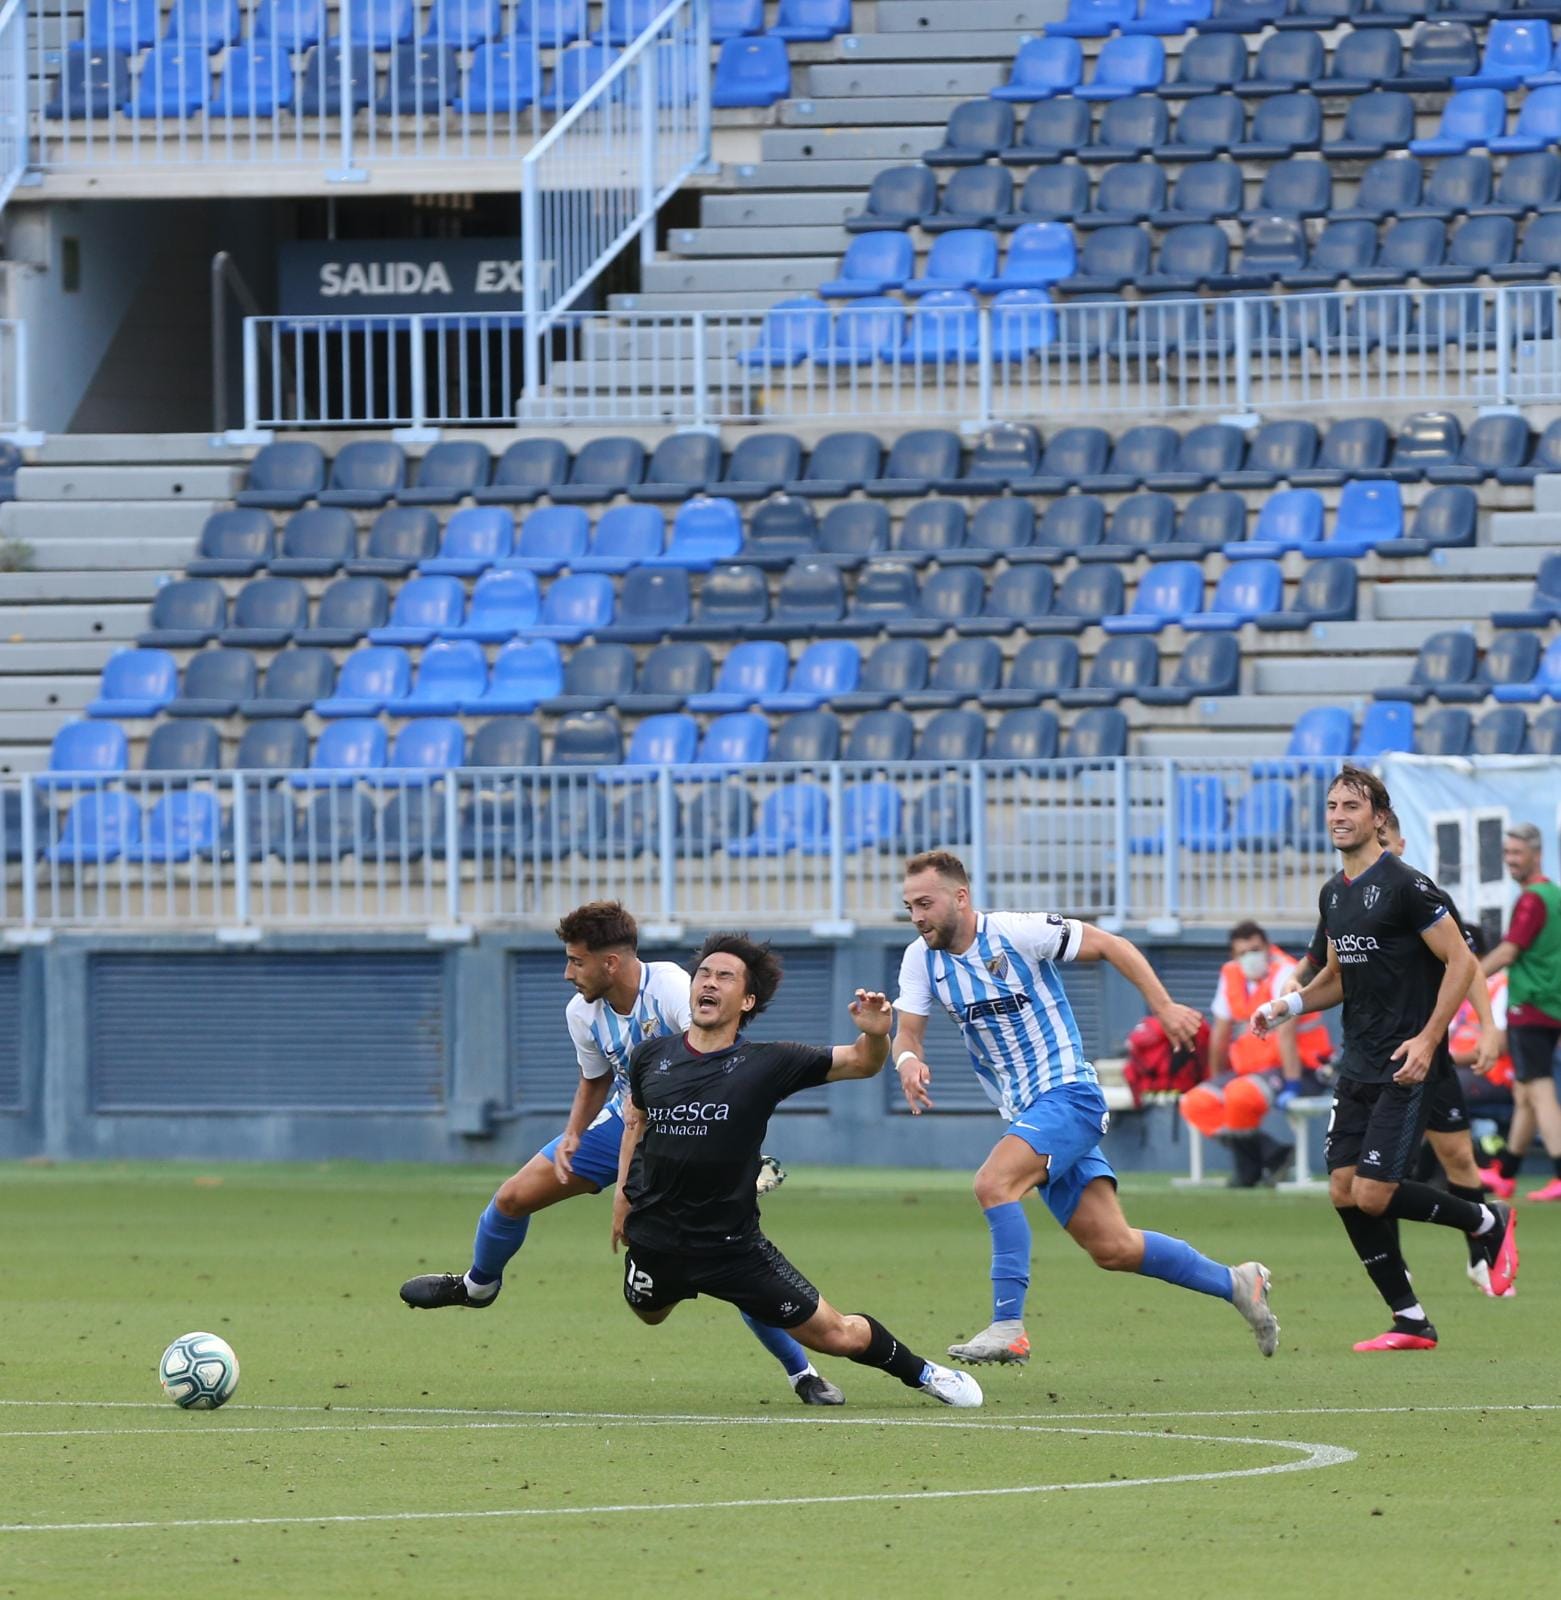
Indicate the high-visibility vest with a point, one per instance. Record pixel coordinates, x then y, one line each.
1464 1035
1251 1054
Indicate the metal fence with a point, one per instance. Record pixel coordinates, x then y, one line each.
338 85
1137 840
13 379
1489 345
14 142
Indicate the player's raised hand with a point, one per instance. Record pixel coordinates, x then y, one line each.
915 1075
1181 1024
563 1157
1416 1055
872 1012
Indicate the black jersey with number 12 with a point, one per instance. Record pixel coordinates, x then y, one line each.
1391 977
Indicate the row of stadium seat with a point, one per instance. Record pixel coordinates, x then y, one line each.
1206 191
130 26
1440 55
1096 19
1326 735
259 80
1449 668
1006 457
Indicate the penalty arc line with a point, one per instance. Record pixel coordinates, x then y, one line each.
1312 1456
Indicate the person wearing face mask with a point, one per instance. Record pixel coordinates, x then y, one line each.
1249 1075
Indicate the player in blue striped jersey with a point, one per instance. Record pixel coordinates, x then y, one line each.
995 974
619 1003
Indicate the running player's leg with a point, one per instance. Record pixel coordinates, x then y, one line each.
1009 1173
1449 1140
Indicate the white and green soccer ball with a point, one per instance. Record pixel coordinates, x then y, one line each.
199 1371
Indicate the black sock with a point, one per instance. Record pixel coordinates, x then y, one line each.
1509 1164
1555 1162
1419 1202
889 1355
1474 1197
1374 1244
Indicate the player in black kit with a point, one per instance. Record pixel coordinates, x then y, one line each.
697 1112
1399 962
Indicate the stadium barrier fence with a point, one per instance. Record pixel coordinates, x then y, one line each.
14 122
1140 840
1486 345
13 380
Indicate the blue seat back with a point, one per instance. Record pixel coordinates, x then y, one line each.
952 736
270 603
739 738
454 667
900 666
430 744
353 744
373 466
654 597
756 667
587 739
733 596
510 598
1387 726
581 600
1370 510
1099 734
707 528
667 740
375 672
1265 815
812 736
1250 589
881 736
600 669
1211 663
1171 589
529 666
506 742
1045 666
1322 733
431 602
89 747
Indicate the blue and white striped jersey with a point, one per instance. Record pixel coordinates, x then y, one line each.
603 1039
1006 996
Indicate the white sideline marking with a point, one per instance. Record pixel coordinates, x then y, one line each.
1311 1455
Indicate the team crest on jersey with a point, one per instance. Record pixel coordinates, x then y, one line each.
997 965
1333 900
1422 886
1372 896
650 1027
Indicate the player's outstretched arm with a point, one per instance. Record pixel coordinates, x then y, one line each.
915 1074
1324 991
634 1122
590 1097
874 1016
1298 976
1181 1023
1491 1040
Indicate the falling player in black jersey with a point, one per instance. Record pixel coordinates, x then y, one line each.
697 1109
1398 961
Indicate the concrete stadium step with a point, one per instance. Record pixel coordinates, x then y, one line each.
866 80
1547 492
1203 745
60 692
46 590
1364 637
68 625
51 656
135 449
1267 710
780 210
855 175
756 301
903 143
759 278
966 16
757 240
1487 561
875 112
627 341
129 483
673 377
1329 676
111 521
30 727
1449 602
16 759
1539 528
76 555
958 45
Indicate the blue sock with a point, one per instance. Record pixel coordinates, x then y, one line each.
498 1238
1177 1262
1010 1260
781 1345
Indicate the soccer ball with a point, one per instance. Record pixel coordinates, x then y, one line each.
199 1372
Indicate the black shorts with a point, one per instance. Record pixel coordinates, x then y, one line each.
1377 1127
755 1277
1533 1052
1449 1111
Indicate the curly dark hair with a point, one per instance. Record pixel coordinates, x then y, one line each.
1366 784
599 925
760 963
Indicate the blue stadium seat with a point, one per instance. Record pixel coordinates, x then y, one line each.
966 670
1246 591
1538 256
1205 192
575 605
1273 248
920 461
475 538
840 463
1244 16
324 90
751 72
1127 129
895 668
1285 63
1512 658
1277 450
666 740
451 470
1209 63
1447 659
451 678
1299 187
731 19
464 24
525 673
1326 594
295 679
1343 248
976 131
681 465
869 330
788 816
424 608
127 25
870 818
944 327
707 529
1052 129
1352 446
1025 734
719 811
1017 597
136 683
1204 127
886 592
792 330
213 24
234 544
812 20
267 612
669 675
554 23
1362 59
760 465
1370 511
1280 126
1458 184
214 684
1409 246
933 530
1289 520
181 825
1127 64
1529 182
740 738
1210 665
1022 323
434 745
1168 592
1169 17
939 818
1208 523
1388 726
348 609
626 536
1375 123
1191 255
811 600
276 746
1111 258
1043 67
551 538
1073 523
257 81
753 669
370 679
94 82
1264 817
605 467
1121 667
365 474
381 24
881 736
1544 732
587 739
576 820
1005 453
779 530
98 828
1545 683
1471 119
1447 732
504 605
952 736
899 196
500 81
873 263
1140 523
1440 52
623 21
1094 19
1502 731
317 542
732 598
346 751
1097 735
1087 595
946 598
1491 444
1202 820
825 668
527 469
186 612
84 749
1071 456
1039 255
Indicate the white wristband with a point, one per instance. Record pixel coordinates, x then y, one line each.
903 1057
1292 1002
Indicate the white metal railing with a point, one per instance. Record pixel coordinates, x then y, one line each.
338 85
13 96
1136 840
13 377
598 178
1483 345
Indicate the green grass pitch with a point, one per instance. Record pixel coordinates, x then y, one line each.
376 1451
